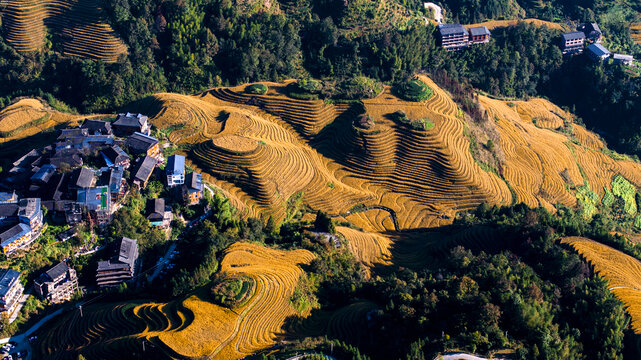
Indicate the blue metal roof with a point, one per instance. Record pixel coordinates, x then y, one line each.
14 233
8 277
175 165
599 50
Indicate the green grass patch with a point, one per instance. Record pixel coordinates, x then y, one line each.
232 293
258 89
588 201
414 90
626 191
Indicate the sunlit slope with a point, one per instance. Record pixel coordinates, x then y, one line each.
79 25
265 148
491 24
28 117
194 327
623 273
543 166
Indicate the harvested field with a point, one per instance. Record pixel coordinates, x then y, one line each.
193 327
370 249
623 273
635 32
81 25
543 165
263 149
28 117
492 24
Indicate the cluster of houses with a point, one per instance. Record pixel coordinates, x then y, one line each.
574 43
82 178
456 37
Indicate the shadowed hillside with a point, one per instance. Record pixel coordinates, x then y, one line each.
78 25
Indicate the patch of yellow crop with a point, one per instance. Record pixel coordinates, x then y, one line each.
622 271
492 24
86 33
226 334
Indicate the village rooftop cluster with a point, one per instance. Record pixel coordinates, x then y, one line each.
82 179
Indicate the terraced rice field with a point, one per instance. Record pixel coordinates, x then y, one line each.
504 23
28 117
635 32
193 327
227 334
262 149
370 249
623 273
542 165
80 25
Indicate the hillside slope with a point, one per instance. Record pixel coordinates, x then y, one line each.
264 149
78 25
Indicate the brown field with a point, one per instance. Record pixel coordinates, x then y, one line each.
635 32
81 23
192 327
492 24
623 273
539 163
312 147
28 117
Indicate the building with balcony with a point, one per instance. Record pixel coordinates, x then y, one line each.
121 266
57 284
10 291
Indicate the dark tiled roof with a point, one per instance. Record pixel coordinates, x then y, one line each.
480 30
72 159
44 173
573 36
8 210
97 126
84 178
140 142
131 120
194 181
125 257
115 154
156 206
146 167
72 133
60 269
452 29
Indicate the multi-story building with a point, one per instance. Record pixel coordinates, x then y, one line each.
453 36
572 43
143 172
116 156
97 127
193 188
120 267
97 201
30 213
598 53
175 170
139 143
127 124
158 213
15 237
57 284
10 291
